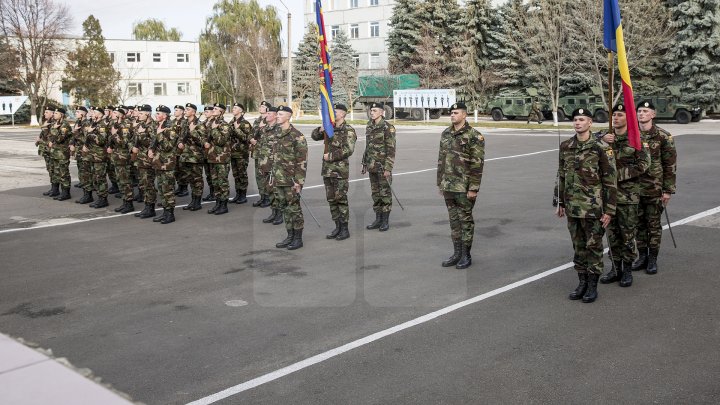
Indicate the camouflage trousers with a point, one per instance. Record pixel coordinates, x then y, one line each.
336 190
147 184
61 172
267 189
49 166
259 178
85 174
239 171
219 178
111 172
586 235
649 229
134 176
166 185
289 203
193 173
208 172
122 174
99 178
182 177
462 224
534 116
381 194
621 232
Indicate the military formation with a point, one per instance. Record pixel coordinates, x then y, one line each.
603 183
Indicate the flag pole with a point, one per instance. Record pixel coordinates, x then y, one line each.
611 90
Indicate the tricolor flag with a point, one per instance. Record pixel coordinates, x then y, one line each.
613 40
326 100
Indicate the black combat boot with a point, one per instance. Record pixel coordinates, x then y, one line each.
79 185
170 217
287 240
102 202
150 211
613 275
64 195
265 202
377 222
581 288
184 192
191 204
271 218
335 232
210 196
86 198
128 207
652 261
455 258
465 258
641 262
161 217
279 218
54 190
144 211
591 293
344 231
222 209
139 196
113 188
122 207
197 205
297 242
258 202
626 277
241 197
119 195
385 224
215 208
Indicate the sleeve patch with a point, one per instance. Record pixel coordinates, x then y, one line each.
609 152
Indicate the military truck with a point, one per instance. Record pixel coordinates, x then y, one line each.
379 89
511 105
592 101
671 108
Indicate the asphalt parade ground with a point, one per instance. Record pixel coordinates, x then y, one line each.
207 310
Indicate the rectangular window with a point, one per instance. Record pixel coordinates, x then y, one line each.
374 2
160 89
356 59
508 102
375 29
156 57
183 89
133 56
183 57
519 102
353 3
354 31
112 57
334 31
134 89
374 61
283 76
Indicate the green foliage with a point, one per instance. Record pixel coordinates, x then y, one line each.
404 35
90 75
306 80
9 69
345 74
154 30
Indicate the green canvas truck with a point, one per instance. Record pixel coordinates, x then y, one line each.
379 89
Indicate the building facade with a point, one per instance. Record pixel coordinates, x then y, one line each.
366 24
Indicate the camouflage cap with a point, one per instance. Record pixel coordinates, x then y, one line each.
179 107
163 109
341 107
619 107
646 104
582 111
285 109
61 110
376 105
459 106
191 105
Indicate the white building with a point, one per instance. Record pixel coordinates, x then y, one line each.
366 24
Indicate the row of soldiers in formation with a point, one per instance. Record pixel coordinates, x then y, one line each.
134 150
605 183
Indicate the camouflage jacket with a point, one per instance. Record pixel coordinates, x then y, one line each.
289 157
264 148
241 131
460 160
660 176
379 146
120 142
587 186
96 140
78 138
193 139
43 149
340 148
178 125
256 127
60 135
629 165
219 140
164 147
143 138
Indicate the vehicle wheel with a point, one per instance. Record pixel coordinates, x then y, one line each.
683 117
497 115
510 117
434 114
388 112
416 114
601 116
402 114
561 116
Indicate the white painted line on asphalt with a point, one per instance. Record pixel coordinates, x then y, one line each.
50 225
319 358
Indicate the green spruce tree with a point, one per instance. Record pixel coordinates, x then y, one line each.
306 80
404 35
345 73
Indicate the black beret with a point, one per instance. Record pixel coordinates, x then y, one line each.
139 107
285 108
109 108
121 110
272 109
163 109
81 108
376 105
582 111
129 107
239 105
219 105
208 108
61 110
191 105
646 104
48 108
102 110
265 103
459 106
179 107
341 107
145 108
620 107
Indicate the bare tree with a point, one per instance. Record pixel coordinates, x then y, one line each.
34 27
428 63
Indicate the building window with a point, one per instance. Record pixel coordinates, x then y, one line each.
334 31
374 2
374 61
134 89
354 31
356 59
112 57
183 89
133 56
156 57
183 57
375 29
283 76
160 89
353 3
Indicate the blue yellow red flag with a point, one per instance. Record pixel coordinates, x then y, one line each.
325 71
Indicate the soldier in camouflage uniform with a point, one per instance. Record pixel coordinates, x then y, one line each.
268 132
84 164
94 148
288 177
181 174
163 154
143 138
378 161
256 134
587 194
535 113
241 133
460 166
336 170
217 152
629 165
119 151
207 115
657 185
107 121
132 119
43 150
191 142
58 142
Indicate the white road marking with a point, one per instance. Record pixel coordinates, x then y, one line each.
50 225
272 376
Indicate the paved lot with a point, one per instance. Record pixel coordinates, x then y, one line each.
172 314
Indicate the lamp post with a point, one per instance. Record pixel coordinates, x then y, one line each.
289 60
